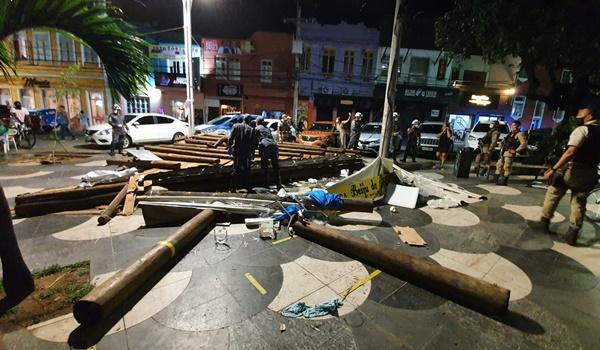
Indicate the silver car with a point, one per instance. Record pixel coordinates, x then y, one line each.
370 138
429 136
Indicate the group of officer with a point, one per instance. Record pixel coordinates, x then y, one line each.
242 143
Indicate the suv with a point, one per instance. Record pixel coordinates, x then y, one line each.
480 129
428 141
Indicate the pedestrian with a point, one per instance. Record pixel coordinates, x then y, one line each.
119 129
515 143
84 121
413 134
444 144
340 130
396 136
355 127
487 144
63 121
241 143
576 170
268 151
285 129
20 113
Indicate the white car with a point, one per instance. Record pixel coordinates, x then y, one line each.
143 128
479 131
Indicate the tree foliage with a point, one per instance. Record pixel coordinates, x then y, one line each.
544 33
123 53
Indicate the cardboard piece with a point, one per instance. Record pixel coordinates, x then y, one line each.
409 236
402 196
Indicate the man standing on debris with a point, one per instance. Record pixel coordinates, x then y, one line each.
515 143
486 148
268 151
576 170
412 140
355 126
115 119
241 144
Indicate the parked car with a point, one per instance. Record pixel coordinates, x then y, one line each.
320 133
272 124
143 128
428 142
480 129
370 138
222 125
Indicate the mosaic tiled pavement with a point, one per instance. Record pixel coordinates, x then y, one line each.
205 302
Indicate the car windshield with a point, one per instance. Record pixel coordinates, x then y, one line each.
129 117
372 128
431 128
220 120
484 127
320 127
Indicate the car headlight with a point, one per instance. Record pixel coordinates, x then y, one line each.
104 132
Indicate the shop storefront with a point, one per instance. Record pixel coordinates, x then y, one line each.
229 100
328 107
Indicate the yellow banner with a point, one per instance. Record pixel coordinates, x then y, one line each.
368 188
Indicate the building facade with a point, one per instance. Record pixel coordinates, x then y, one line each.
337 70
248 76
43 60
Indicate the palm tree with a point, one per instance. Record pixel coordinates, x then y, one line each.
126 63
122 52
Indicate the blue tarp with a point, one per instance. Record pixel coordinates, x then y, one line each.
301 309
291 210
324 199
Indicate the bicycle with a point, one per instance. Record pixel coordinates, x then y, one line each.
25 136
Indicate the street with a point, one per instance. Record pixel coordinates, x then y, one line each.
207 302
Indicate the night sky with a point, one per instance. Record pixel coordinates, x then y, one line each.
241 18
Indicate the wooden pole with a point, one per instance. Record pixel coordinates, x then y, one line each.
103 300
112 208
142 164
479 295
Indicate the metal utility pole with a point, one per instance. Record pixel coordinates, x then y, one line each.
297 65
187 38
390 89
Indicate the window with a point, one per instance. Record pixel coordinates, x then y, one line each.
140 104
49 98
227 68
27 99
41 46
73 103
234 68
66 48
163 120
305 59
19 46
89 55
96 106
328 62
539 109
221 67
367 64
5 96
146 120
266 71
419 67
566 76
536 123
517 107
348 63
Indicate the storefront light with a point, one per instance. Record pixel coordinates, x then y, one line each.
480 100
510 91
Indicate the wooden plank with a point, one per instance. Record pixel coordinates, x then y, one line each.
409 236
129 205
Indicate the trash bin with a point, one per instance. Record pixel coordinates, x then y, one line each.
462 165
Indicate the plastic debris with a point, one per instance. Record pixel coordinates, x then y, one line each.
301 309
313 181
344 172
442 203
100 176
393 210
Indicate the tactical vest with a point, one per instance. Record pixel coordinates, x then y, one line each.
512 141
589 152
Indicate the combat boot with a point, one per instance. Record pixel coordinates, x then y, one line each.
571 236
495 178
503 181
542 225
482 172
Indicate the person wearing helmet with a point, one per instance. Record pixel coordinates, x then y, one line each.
396 136
355 126
115 119
412 140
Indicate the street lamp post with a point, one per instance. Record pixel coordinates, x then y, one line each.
187 38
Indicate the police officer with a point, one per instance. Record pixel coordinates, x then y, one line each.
413 134
119 128
580 164
268 150
513 144
355 126
396 136
242 143
486 148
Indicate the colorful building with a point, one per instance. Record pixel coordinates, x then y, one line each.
337 70
254 75
43 58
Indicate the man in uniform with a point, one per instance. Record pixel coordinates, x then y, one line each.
412 140
396 137
241 143
513 144
486 146
581 161
115 119
268 151
355 126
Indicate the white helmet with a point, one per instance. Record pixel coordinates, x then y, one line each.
415 122
358 115
116 107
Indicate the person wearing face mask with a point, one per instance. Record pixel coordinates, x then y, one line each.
576 170
486 147
512 145
115 119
